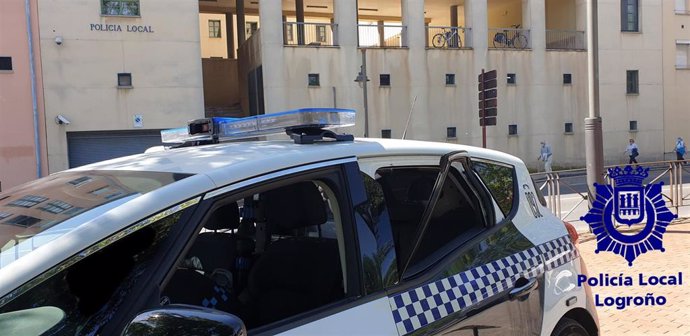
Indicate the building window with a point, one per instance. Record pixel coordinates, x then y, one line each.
214 28
120 7
27 201
682 7
124 80
385 80
314 79
451 133
512 129
568 128
633 125
450 79
5 63
682 48
386 133
632 82
250 28
511 79
567 78
630 16
321 33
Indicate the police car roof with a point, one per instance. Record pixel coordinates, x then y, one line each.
251 158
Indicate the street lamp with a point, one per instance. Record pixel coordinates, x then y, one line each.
362 80
594 151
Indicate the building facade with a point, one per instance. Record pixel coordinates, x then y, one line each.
22 140
541 66
115 73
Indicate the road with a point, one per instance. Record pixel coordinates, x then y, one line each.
574 187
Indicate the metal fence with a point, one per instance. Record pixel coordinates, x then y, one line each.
310 34
568 201
515 38
448 37
566 39
381 36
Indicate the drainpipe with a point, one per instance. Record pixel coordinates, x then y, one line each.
34 99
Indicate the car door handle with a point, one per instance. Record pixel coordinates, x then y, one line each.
522 288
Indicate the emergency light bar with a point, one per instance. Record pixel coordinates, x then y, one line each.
306 120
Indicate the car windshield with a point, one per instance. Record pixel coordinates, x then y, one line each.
35 213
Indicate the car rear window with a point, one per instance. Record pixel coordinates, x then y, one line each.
40 211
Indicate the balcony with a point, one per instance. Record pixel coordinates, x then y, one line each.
310 34
509 38
565 40
381 36
448 37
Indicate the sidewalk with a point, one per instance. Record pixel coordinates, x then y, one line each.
673 318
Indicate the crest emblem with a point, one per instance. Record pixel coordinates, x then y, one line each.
628 202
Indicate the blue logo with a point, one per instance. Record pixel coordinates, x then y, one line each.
628 202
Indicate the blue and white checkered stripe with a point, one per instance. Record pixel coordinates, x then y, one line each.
431 302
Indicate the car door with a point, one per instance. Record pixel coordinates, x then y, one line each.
301 273
461 272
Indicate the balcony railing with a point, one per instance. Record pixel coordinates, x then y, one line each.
566 39
449 37
381 36
510 38
310 34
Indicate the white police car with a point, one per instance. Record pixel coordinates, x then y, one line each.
301 237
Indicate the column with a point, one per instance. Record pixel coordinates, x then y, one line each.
454 23
382 36
345 15
229 35
239 9
413 19
476 18
272 56
535 20
299 11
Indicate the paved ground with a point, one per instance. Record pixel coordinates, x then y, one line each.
673 318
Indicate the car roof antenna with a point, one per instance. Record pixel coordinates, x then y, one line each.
409 116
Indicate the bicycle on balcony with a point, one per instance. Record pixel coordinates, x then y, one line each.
504 40
448 38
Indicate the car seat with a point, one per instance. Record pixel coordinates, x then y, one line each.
295 274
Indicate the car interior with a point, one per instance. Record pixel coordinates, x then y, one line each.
267 256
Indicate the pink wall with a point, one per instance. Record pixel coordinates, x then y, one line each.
17 150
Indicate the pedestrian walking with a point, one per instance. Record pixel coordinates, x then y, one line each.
680 149
546 156
633 151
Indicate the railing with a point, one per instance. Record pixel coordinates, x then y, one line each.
381 36
510 38
567 197
566 39
448 37
310 34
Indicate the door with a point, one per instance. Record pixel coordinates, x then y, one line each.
465 269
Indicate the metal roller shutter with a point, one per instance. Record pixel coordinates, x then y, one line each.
89 147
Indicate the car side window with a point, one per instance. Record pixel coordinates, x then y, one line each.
268 254
90 287
455 218
500 180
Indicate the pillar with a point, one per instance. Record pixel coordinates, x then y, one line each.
229 35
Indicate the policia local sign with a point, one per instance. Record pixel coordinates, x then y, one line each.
120 28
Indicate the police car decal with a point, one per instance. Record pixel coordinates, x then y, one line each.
431 302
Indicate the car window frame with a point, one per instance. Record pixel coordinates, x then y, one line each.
240 189
479 192
516 196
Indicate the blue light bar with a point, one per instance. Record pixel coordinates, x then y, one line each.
220 129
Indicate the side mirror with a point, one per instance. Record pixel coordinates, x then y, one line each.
185 319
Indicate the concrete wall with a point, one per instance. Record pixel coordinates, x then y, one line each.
621 51
676 81
213 47
18 163
80 76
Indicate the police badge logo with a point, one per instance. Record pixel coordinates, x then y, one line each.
628 202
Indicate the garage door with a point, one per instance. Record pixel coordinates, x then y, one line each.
90 147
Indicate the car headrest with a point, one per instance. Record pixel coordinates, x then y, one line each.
225 217
295 206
